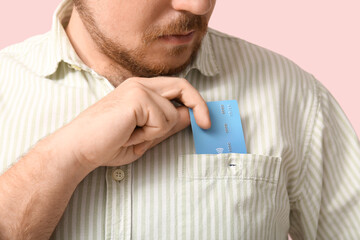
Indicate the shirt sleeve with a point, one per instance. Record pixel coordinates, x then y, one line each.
329 204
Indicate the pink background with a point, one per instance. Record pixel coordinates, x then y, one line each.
321 36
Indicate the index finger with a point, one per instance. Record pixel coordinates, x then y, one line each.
181 89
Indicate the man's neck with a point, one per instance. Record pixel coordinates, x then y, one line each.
90 53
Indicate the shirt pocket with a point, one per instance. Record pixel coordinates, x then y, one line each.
228 196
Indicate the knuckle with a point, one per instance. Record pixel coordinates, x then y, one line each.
155 133
183 82
136 90
164 127
131 80
162 131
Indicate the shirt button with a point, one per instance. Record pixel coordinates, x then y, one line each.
118 174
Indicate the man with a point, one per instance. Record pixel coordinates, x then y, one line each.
93 147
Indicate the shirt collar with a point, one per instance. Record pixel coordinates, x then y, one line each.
205 60
60 48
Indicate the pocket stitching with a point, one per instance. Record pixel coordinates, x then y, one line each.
272 179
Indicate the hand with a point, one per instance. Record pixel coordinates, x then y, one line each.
134 117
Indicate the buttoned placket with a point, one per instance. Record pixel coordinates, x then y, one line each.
118 202
118 184
118 209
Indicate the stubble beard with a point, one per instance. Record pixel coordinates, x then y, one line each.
133 60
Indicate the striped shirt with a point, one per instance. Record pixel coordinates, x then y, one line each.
300 176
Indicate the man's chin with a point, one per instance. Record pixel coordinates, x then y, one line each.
175 70
176 62
158 61
164 69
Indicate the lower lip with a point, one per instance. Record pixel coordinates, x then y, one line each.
178 39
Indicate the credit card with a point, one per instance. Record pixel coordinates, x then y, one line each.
226 132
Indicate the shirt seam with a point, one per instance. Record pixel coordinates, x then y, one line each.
9 52
237 178
308 143
213 58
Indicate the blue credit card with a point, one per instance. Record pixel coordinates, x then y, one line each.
226 132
